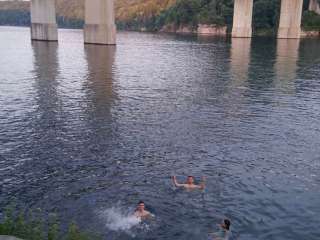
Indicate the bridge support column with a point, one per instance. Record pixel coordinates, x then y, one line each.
314 6
242 18
290 19
43 20
100 25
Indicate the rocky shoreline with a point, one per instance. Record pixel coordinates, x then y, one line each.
217 30
201 29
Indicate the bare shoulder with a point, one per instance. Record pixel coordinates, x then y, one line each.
147 215
193 187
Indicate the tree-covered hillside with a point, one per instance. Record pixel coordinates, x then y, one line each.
219 12
193 12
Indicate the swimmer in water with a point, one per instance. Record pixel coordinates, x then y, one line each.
224 233
141 212
190 183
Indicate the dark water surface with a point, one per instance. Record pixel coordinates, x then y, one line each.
87 128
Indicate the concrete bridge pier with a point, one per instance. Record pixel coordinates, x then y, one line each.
242 18
290 19
43 20
100 25
314 6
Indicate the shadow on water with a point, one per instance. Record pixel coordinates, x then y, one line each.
263 57
308 64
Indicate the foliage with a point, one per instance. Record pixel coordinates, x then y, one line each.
140 9
193 12
31 226
311 21
266 15
183 12
220 12
22 18
14 17
75 234
64 22
138 14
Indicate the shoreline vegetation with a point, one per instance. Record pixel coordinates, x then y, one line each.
203 17
37 226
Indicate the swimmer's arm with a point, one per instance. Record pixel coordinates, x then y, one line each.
215 236
174 179
150 215
203 183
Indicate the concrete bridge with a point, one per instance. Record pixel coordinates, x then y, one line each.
99 25
100 20
290 18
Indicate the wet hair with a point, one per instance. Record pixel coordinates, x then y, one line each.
227 223
140 202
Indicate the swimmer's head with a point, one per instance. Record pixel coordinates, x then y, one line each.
190 180
226 224
141 206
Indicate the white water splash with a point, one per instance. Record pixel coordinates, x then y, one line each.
119 220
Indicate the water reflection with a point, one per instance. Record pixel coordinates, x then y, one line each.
308 64
44 131
240 60
100 79
48 122
210 39
100 92
239 67
286 64
261 73
307 57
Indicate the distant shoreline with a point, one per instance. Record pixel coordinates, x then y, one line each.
215 32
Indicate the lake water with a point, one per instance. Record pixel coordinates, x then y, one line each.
88 131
